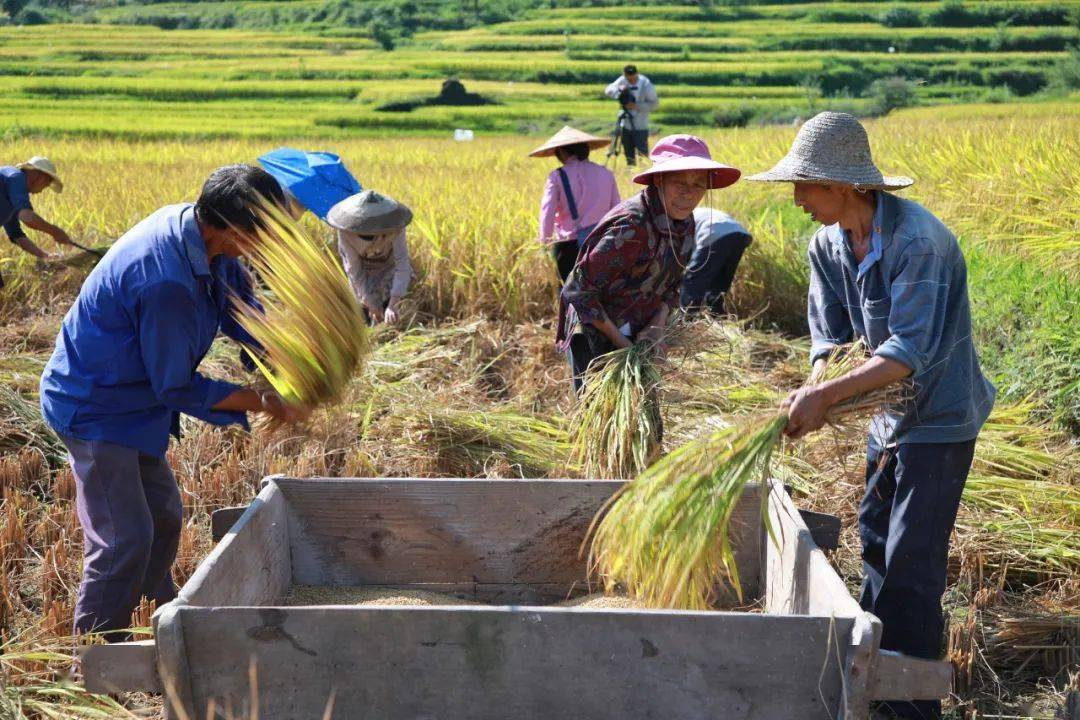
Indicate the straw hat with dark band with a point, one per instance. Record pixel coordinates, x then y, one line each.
568 136
832 149
369 213
44 165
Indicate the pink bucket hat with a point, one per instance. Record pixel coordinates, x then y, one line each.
676 153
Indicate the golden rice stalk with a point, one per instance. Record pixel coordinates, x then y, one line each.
312 330
467 441
664 535
615 429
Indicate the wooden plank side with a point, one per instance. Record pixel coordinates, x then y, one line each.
120 667
900 677
798 577
251 565
860 667
405 531
497 663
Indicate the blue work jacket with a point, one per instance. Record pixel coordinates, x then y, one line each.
126 359
908 299
14 196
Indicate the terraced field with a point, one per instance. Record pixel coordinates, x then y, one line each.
311 75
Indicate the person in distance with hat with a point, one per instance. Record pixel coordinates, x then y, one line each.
371 239
629 272
17 184
886 270
576 195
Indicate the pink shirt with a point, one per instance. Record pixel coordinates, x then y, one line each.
595 192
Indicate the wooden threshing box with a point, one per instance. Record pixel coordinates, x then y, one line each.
227 640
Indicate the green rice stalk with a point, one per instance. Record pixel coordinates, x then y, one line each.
615 429
664 536
312 332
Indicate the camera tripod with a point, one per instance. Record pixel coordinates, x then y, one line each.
616 148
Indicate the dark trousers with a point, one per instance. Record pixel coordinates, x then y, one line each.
635 141
711 271
905 519
130 511
586 346
566 253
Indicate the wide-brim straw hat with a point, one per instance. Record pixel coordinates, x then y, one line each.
568 136
679 153
369 213
44 164
832 148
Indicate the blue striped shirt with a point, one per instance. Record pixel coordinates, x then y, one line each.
908 299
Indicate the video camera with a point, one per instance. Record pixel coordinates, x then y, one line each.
626 97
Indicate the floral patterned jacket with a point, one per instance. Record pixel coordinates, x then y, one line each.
630 265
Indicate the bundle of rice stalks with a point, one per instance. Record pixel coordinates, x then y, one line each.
312 332
471 442
616 429
21 427
664 536
1035 644
1021 503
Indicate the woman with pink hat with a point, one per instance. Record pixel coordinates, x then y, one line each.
629 271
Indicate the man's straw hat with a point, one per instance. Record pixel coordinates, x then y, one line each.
43 164
568 136
832 149
369 213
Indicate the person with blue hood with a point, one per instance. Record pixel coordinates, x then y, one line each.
315 181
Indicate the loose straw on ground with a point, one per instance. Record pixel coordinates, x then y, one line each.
312 332
664 536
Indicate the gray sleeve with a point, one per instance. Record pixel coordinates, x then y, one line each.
351 262
402 267
648 100
825 312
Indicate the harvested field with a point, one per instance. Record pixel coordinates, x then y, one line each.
474 387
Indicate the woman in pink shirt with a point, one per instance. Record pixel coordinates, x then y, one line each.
576 195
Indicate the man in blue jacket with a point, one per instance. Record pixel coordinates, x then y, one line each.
886 270
125 368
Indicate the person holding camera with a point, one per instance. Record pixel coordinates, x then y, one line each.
637 98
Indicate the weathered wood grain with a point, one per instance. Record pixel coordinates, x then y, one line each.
250 566
120 667
799 579
483 532
860 667
901 677
496 663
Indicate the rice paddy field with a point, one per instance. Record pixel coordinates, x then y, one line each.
136 114
311 68
472 385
